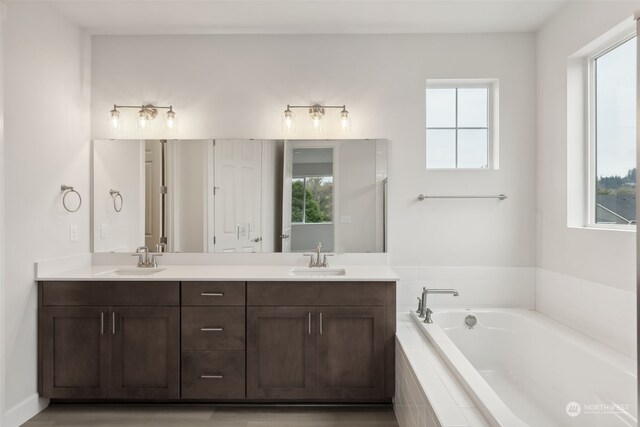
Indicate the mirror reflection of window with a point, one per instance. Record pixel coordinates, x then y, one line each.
312 200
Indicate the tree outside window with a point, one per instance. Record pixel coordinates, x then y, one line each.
312 200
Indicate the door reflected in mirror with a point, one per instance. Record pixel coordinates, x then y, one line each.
240 195
312 195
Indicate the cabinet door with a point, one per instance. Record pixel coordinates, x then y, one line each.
350 354
145 352
75 352
280 352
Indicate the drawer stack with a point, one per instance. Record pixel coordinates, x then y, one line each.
213 340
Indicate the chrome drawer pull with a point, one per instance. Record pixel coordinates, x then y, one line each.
211 377
212 329
212 294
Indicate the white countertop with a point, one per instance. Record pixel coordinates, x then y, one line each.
241 273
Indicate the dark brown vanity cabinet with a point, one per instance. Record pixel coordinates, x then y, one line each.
328 341
281 355
75 352
213 340
128 347
217 341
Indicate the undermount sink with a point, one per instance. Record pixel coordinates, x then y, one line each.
137 271
319 271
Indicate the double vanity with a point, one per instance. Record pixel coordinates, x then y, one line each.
209 333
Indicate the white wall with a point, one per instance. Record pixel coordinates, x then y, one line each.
357 197
238 86
191 167
118 165
587 277
305 237
606 257
47 139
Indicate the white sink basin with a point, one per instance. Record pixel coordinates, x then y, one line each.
142 271
319 271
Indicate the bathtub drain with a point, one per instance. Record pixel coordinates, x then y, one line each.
470 321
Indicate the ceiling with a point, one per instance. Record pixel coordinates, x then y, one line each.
307 16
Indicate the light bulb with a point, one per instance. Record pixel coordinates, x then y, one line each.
143 119
288 121
344 123
170 122
316 113
114 120
316 122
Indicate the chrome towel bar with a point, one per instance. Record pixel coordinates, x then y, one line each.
422 197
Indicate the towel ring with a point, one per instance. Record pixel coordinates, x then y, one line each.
68 189
115 194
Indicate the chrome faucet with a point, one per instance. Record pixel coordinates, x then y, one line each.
426 312
318 256
146 259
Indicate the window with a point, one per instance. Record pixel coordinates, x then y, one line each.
459 126
613 135
312 200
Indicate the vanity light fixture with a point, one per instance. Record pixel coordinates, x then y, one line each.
146 113
288 121
115 125
316 114
344 123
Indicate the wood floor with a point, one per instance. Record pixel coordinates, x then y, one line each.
216 416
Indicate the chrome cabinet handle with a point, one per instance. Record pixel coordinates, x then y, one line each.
211 377
205 329
309 323
113 323
102 323
212 294
320 323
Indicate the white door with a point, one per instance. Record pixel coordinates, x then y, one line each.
238 171
152 193
286 196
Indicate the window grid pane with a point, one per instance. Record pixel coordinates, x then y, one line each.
484 116
614 135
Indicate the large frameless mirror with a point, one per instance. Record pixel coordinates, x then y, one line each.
199 196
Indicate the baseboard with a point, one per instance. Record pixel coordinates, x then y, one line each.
25 410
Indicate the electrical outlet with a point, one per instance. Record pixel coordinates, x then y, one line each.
103 231
73 233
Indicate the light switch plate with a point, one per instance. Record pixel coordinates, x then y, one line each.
73 233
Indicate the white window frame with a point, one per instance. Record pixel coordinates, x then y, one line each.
592 132
492 119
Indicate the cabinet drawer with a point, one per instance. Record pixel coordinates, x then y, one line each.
213 375
212 293
213 328
98 293
316 294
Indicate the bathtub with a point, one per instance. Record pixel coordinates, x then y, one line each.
524 369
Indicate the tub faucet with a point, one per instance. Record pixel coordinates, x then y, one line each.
426 312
